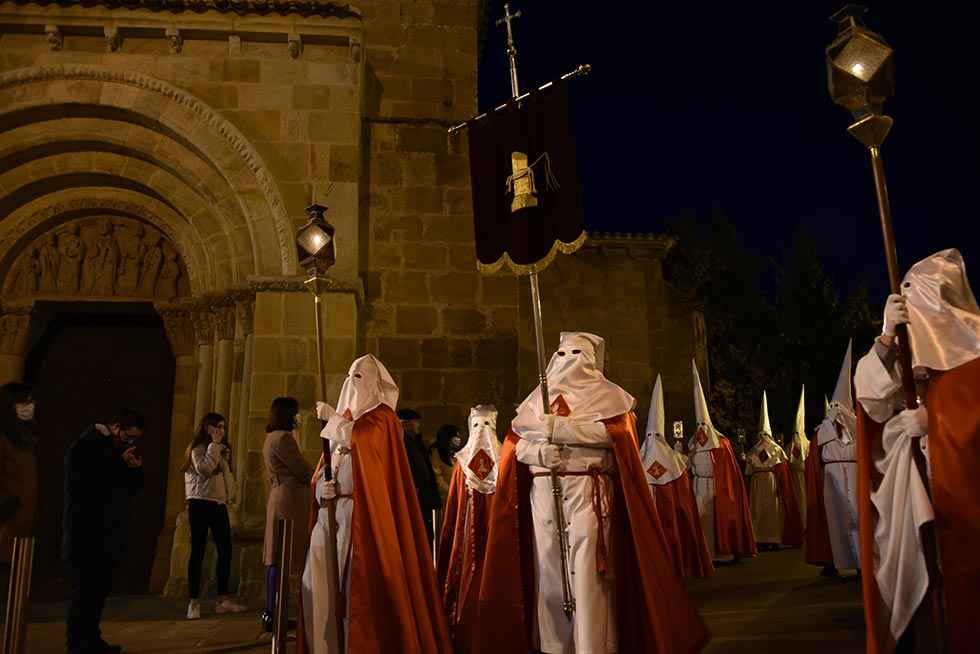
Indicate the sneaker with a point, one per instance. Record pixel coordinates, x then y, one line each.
194 610
229 605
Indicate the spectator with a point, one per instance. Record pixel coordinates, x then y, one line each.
102 472
18 472
290 476
441 454
209 487
421 466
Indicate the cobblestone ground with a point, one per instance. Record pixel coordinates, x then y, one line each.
773 603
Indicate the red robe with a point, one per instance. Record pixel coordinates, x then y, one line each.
733 519
461 552
792 521
953 403
818 548
654 614
394 604
682 527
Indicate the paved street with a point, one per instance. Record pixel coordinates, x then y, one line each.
773 603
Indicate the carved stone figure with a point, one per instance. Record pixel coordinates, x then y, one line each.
28 270
151 264
72 251
101 264
48 259
166 287
131 250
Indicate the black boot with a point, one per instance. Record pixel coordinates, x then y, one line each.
267 620
829 570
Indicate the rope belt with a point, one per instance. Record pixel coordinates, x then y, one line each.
601 551
827 463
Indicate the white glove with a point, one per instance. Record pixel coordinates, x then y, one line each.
915 422
539 453
896 313
327 491
324 411
338 429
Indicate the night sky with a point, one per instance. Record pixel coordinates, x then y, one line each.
697 106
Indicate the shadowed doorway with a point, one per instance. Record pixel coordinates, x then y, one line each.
91 360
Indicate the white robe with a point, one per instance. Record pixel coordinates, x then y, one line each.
840 479
320 623
703 473
593 627
765 505
797 468
901 499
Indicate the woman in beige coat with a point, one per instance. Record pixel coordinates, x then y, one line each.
289 497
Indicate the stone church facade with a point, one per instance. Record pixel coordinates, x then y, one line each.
157 158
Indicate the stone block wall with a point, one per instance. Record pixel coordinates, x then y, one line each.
446 332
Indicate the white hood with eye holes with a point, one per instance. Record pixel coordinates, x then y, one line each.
478 458
368 385
575 373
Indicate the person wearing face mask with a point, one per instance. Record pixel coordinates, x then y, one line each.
719 488
423 474
103 471
832 483
441 454
209 488
18 472
390 602
623 590
464 529
670 485
289 477
918 468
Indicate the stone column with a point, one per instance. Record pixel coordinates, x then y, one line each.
224 366
247 570
14 329
173 548
204 334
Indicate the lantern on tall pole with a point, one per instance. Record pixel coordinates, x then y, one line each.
861 77
317 253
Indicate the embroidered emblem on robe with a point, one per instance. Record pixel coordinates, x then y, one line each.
481 464
656 470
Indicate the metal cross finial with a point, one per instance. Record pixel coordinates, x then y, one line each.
507 20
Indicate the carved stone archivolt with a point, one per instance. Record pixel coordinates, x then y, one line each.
99 257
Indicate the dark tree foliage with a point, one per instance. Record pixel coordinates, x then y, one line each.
772 323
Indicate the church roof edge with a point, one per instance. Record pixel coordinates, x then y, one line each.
304 8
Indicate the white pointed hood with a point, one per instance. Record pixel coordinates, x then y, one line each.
662 463
575 374
766 452
841 411
944 317
368 385
800 445
826 405
478 458
705 437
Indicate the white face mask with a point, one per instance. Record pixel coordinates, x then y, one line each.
25 412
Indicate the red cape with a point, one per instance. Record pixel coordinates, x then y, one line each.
733 520
461 557
394 604
682 527
792 521
818 548
654 614
953 402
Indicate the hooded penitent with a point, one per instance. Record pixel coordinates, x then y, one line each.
379 530
650 611
464 532
944 329
775 511
666 471
718 486
799 447
831 474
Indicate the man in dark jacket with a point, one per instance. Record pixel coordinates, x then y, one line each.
422 473
102 472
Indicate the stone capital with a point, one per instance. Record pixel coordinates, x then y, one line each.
223 317
15 321
245 312
179 327
203 320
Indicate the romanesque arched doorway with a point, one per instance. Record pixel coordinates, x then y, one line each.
91 359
